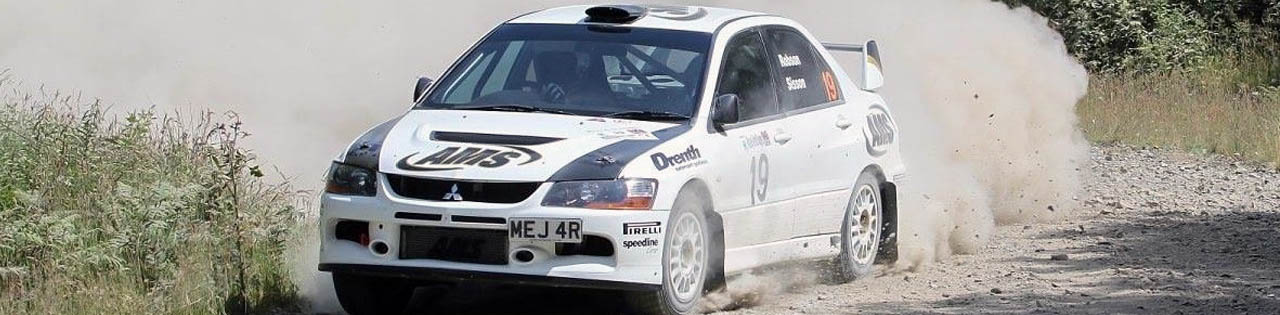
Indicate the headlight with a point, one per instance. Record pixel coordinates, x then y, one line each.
351 180
619 194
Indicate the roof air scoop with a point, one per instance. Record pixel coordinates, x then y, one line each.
614 13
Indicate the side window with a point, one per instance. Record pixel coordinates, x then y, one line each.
804 77
746 73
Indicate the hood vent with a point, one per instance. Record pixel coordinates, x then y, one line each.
484 138
617 14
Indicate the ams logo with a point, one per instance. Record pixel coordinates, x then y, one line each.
880 130
458 157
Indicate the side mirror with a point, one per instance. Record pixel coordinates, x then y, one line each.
421 87
872 70
724 109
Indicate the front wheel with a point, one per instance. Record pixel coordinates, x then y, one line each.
860 235
685 262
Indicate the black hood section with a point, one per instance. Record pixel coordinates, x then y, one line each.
364 151
607 162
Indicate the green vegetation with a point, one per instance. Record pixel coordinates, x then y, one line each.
1202 110
1161 35
1202 75
142 215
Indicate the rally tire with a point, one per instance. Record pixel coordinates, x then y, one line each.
364 295
860 235
686 260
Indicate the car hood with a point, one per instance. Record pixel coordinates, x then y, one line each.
506 146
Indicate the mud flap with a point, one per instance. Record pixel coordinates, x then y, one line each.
889 226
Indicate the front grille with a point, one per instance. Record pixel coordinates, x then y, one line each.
474 246
443 190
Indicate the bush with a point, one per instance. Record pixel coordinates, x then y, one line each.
145 215
1160 35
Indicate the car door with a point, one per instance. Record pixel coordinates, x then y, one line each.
822 131
750 202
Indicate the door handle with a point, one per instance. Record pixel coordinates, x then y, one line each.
843 123
781 137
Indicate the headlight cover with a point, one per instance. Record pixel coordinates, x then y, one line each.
351 180
618 194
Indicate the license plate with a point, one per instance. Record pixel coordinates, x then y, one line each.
542 229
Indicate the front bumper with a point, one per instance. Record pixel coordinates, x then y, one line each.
634 264
455 276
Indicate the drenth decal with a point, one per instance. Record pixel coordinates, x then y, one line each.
642 228
689 158
879 131
458 157
625 134
646 242
758 140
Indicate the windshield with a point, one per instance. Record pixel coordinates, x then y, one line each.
579 70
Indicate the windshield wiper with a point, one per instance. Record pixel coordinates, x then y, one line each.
516 108
649 115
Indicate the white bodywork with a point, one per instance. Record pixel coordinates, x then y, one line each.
788 208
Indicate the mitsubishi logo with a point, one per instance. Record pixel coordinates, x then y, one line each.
453 194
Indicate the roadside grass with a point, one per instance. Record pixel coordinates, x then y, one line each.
136 214
1229 106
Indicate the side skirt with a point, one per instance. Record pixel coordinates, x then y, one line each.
742 259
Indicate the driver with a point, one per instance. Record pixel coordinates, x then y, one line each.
567 81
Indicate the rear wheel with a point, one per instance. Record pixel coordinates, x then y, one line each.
685 263
364 295
860 235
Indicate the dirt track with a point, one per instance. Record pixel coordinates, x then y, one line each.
1160 232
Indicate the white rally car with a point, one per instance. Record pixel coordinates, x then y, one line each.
653 150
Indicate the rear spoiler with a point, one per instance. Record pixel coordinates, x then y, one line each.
872 70
844 47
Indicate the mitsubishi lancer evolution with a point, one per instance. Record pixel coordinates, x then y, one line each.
649 150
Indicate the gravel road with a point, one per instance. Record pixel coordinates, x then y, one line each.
1159 232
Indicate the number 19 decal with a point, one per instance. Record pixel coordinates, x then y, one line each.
759 178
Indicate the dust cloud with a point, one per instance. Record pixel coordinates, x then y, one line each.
984 95
985 98
760 287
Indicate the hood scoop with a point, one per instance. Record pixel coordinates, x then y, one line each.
484 138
